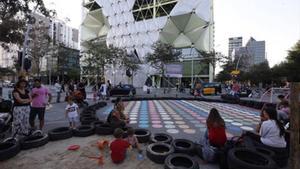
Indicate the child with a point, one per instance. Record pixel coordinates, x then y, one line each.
133 141
72 112
118 147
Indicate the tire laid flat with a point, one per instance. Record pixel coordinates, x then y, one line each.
180 161
104 129
245 158
84 131
34 141
9 150
60 133
158 152
142 135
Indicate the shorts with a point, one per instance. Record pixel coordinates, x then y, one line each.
73 119
37 111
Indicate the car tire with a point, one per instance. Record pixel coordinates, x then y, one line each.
265 151
142 135
83 116
88 111
34 141
88 120
60 133
183 146
84 131
158 152
161 137
95 123
9 149
178 161
244 158
281 156
104 129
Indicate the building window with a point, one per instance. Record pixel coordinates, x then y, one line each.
148 9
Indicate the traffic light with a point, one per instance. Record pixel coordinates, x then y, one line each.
20 57
27 64
128 73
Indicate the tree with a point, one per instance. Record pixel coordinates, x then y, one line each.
237 64
295 126
39 44
6 71
289 67
97 56
130 64
163 54
13 17
260 73
225 74
293 63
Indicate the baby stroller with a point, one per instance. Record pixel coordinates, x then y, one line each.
5 117
78 97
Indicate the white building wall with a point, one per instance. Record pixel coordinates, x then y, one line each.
7 57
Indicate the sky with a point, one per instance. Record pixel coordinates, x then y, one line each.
275 21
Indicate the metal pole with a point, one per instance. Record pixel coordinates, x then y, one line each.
26 39
25 45
192 73
237 64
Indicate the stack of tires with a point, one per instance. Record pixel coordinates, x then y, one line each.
163 149
88 115
230 98
255 104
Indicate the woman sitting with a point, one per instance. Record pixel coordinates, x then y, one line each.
271 133
117 118
215 136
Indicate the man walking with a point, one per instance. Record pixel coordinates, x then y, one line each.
39 96
58 91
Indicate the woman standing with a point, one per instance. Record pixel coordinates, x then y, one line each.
21 108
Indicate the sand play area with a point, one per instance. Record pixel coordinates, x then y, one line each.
55 155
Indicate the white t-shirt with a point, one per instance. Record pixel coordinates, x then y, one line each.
57 87
270 136
72 110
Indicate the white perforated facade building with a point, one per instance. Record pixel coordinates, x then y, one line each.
137 24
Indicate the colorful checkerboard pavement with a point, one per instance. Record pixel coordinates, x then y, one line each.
187 119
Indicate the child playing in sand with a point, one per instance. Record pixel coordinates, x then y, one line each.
133 141
72 112
118 147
